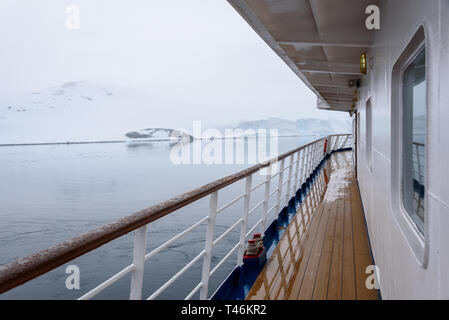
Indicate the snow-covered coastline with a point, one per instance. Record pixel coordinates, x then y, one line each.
81 112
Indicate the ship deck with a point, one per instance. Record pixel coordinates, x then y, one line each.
325 251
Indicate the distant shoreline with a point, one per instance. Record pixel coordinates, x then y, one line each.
57 143
129 141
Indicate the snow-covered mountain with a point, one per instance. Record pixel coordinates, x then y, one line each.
284 127
324 127
75 111
300 127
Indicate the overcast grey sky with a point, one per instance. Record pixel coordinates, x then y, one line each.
198 54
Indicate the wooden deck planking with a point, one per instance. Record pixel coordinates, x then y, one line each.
275 272
328 260
322 278
296 280
336 267
308 281
348 291
362 255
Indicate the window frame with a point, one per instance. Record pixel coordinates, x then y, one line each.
369 133
411 59
417 240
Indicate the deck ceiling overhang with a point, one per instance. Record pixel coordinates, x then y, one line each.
320 40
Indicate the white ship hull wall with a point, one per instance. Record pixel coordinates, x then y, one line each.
402 274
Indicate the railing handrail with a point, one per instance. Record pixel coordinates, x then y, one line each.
34 265
419 144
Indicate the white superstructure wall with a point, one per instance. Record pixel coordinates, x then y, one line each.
410 266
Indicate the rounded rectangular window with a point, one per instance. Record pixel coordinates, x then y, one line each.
414 138
369 129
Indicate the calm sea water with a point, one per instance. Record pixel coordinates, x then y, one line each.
49 194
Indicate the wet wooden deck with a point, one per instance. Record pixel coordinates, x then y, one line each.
325 251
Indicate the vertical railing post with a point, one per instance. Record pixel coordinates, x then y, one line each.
323 151
314 158
266 200
312 155
140 247
343 145
310 160
306 163
319 152
246 201
295 186
336 143
279 194
301 176
207 259
325 144
418 163
289 181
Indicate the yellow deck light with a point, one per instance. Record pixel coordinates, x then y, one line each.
363 63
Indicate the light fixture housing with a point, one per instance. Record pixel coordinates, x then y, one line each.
363 63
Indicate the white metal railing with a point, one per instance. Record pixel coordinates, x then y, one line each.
290 171
418 161
418 175
303 162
